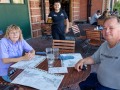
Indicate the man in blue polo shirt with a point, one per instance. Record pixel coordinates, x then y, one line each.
60 24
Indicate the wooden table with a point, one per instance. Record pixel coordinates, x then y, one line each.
70 81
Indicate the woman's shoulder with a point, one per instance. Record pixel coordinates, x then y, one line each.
23 41
4 40
51 13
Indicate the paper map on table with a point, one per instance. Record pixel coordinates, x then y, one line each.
58 70
38 79
71 62
29 63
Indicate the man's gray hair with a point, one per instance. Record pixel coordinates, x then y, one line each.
112 17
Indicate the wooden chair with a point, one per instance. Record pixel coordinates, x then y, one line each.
100 22
77 33
95 39
1 34
46 30
89 19
64 46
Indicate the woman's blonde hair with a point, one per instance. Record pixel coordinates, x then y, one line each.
13 27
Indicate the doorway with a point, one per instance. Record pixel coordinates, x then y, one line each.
65 5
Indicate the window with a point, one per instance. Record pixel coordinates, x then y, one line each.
18 1
4 1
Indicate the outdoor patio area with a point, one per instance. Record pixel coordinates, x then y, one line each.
81 46
40 44
65 44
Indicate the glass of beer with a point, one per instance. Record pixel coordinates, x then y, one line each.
49 20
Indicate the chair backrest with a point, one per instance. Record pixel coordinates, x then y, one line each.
95 36
100 22
46 29
75 29
89 19
64 46
1 34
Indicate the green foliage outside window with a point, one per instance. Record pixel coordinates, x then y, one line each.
117 6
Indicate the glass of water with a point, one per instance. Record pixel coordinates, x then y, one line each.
56 52
50 59
49 51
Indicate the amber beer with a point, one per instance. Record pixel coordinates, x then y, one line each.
49 20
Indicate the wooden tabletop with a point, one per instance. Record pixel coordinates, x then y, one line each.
71 79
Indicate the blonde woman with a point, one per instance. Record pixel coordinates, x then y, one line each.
11 50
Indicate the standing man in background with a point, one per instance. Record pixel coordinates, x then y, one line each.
60 23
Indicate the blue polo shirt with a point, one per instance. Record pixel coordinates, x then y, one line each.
58 21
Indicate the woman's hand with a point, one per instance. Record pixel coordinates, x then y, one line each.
28 56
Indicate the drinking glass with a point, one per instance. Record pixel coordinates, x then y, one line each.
56 52
49 51
50 59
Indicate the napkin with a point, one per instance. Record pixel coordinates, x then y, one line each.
40 53
66 57
6 78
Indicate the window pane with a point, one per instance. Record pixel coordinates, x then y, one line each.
18 1
4 1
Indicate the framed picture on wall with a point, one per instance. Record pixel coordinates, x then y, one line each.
18 1
4 1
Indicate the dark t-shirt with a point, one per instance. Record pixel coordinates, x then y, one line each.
58 21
